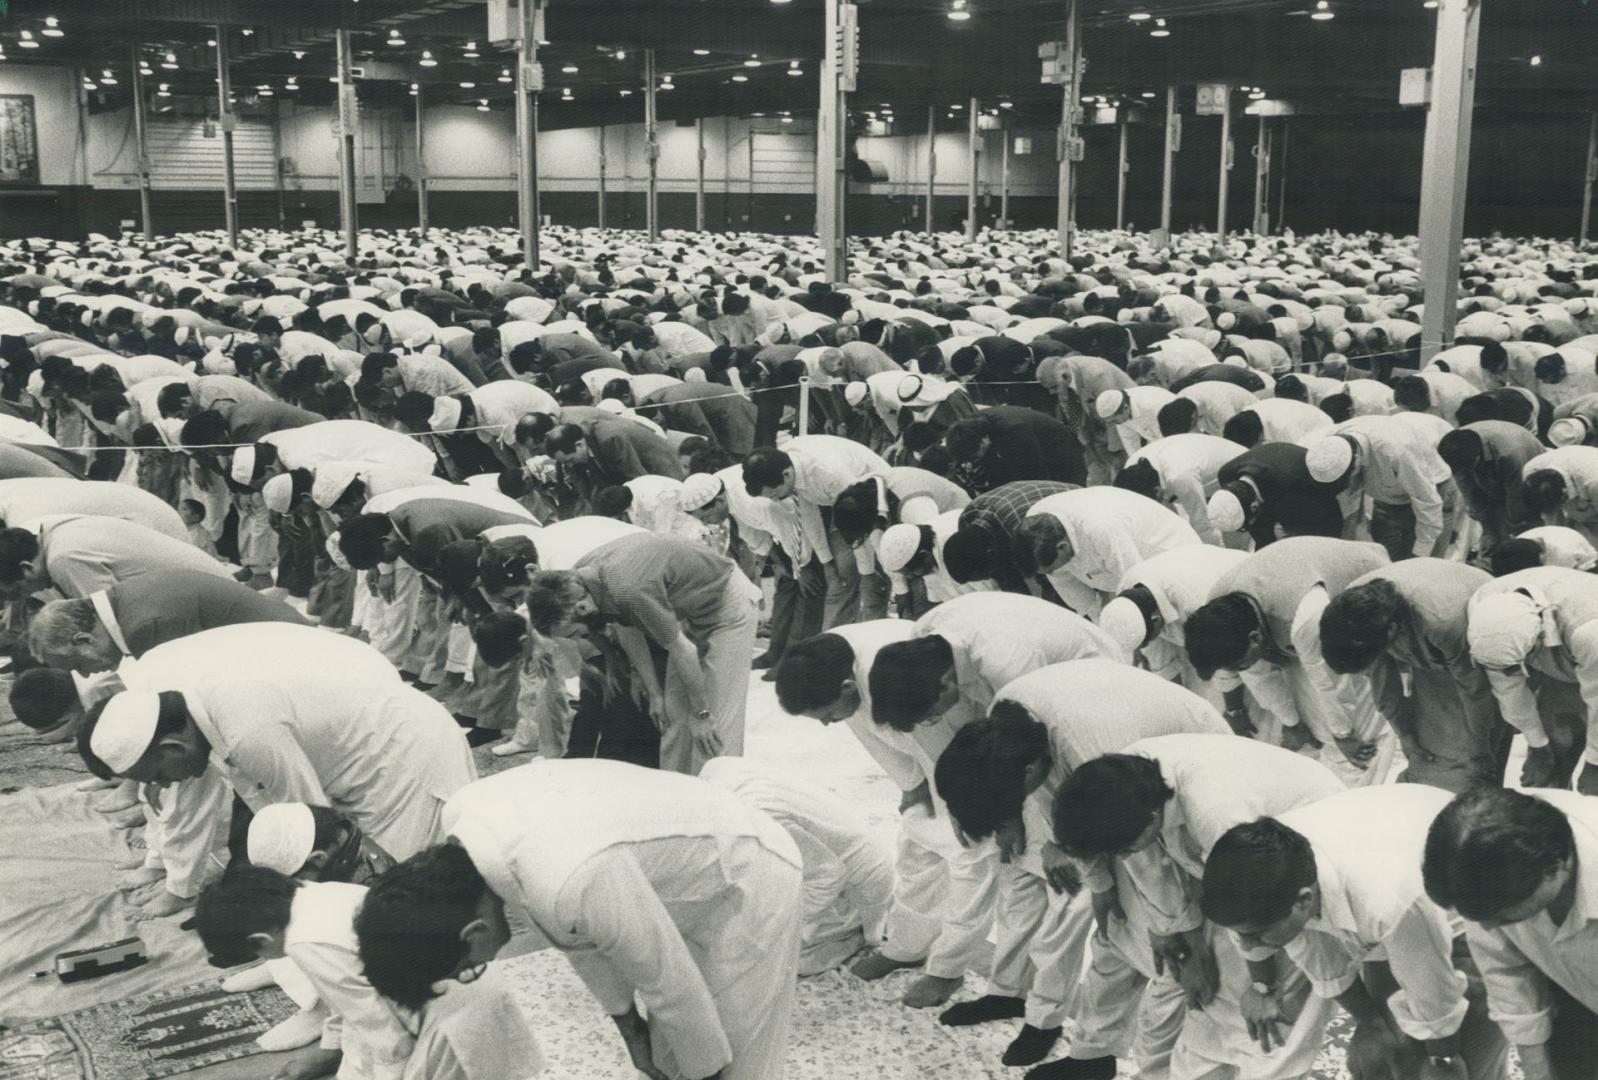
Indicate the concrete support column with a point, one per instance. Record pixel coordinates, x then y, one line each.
421 163
226 121
932 161
1445 169
602 164
699 186
529 81
143 148
1226 165
651 149
1073 91
1121 168
347 126
832 124
974 153
1592 176
1173 135
1004 178
1262 179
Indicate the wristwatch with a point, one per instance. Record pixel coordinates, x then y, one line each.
1262 989
702 714
1443 1061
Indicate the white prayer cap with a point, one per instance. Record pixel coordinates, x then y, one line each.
612 405
854 394
126 729
898 546
1225 320
446 414
1109 403
336 553
278 493
1571 431
36 383
170 428
1504 629
333 478
1226 511
282 836
699 491
1330 458
1123 620
243 470
415 342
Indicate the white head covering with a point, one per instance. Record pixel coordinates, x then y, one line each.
1330 458
854 394
1123 620
898 546
1570 431
1226 511
446 414
243 470
1504 629
336 553
126 729
1109 403
612 405
333 478
278 493
282 836
699 491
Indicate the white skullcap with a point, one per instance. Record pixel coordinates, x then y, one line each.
699 491
336 553
36 383
612 405
278 493
170 428
1226 511
1330 458
446 414
243 470
1571 431
854 394
1226 320
415 342
282 836
1108 403
1503 629
126 729
1123 620
898 546
333 478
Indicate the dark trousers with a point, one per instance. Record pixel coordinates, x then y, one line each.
794 616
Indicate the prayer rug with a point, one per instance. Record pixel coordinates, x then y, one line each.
157 1035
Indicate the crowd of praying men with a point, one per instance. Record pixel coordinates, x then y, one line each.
1194 617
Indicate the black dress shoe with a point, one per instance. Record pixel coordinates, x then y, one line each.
477 736
983 1009
1099 1068
1031 1046
763 661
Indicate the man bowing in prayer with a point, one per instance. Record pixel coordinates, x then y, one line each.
672 896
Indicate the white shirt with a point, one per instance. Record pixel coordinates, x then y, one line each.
349 440
997 637
562 544
823 467
1189 466
645 899
502 403
1519 961
27 498
1217 403
1368 845
1110 531
1180 580
1285 420
1399 464
1563 546
1142 424
365 1026
1579 467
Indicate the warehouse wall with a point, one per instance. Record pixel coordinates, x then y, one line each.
1349 173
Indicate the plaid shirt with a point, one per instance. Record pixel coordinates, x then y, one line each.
1002 510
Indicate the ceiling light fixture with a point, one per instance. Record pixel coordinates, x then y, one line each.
794 68
299 54
958 11
394 38
170 61
1159 29
264 91
569 69
482 104
52 27
247 32
427 59
1537 61
504 75
25 39
1323 11
626 93
1147 94
107 78
470 52
621 54
740 78
701 52
1140 16
468 86
164 90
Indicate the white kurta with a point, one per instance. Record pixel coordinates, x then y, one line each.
673 895
349 440
1110 531
27 498
295 714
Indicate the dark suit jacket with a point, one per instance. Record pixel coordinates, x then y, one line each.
164 605
1028 445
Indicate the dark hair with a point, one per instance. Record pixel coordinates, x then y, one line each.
361 539
613 502
964 438
375 364
172 717
1106 804
206 428
763 469
414 410
1494 358
920 435
17 546
1516 553
1140 477
1292 388
1217 633
1244 428
1339 407
1412 393
498 636
1545 491
409 926
855 515
1357 625
505 562
968 555
1178 417
1036 542
535 427
246 900
981 774
906 679
1254 873
455 563
1490 849
812 672
552 598
1550 368
1460 449
564 439
41 696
